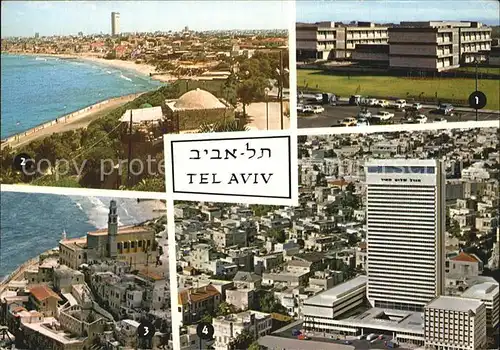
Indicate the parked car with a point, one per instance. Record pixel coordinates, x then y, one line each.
402 103
440 120
349 122
347 342
317 109
383 115
371 101
355 100
362 122
383 103
303 337
421 119
300 108
308 109
446 109
361 337
364 113
296 332
416 107
372 336
318 97
380 337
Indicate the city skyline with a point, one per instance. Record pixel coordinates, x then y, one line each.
395 11
25 18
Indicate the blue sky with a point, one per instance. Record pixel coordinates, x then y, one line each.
24 18
486 11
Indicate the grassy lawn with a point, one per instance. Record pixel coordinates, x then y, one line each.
389 86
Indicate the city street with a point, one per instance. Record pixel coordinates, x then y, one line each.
334 114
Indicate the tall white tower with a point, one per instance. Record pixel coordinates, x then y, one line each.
406 214
112 229
115 23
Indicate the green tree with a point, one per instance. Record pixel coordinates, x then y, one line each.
243 340
222 126
269 304
254 346
278 235
207 318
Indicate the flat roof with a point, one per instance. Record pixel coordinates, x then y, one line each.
60 336
485 290
142 115
330 295
454 304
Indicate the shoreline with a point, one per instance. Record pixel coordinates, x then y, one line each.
143 69
78 118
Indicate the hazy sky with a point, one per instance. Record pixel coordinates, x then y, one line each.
24 18
486 11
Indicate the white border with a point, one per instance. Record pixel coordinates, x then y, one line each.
293 201
84 192
292 64
172 256
398 128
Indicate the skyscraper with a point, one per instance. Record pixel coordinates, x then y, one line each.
115 23
406 216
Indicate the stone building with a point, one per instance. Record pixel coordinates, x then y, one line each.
197 107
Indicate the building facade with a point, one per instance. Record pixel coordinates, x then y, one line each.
455 324
115 23
405 232
328 40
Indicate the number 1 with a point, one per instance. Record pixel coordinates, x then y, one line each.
477 99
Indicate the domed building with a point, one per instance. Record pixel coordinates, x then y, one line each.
197 107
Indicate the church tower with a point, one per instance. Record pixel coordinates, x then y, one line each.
112 229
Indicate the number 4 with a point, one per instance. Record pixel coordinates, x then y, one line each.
205 330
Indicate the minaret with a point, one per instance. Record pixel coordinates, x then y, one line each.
112 229
64 236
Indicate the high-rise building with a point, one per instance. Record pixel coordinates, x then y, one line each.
37 35
115 23
406 232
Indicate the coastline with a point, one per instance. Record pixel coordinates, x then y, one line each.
75 120
143 69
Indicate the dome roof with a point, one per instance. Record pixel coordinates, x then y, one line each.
198 99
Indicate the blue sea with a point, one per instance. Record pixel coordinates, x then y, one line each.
33 223
38 89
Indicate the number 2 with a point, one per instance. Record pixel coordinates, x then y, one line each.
23 161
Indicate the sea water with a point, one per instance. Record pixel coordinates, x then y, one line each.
37 89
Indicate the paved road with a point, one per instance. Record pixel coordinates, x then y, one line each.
334 114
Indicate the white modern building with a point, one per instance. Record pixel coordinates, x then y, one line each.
405 232
320 311
487 292
453 323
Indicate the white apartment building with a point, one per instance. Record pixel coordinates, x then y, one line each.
227 328
454 323
320 311
405 232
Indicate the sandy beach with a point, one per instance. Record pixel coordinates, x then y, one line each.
76 122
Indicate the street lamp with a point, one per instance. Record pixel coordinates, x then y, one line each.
476 61
267 107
